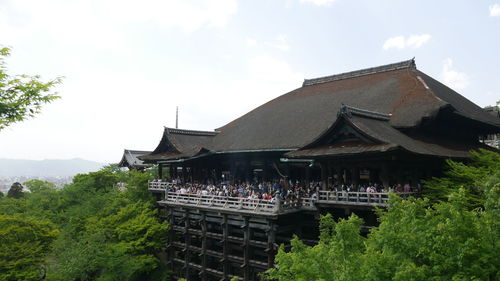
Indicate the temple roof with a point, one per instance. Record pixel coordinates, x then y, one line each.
373 134
290 121
130 159
180 143
394 96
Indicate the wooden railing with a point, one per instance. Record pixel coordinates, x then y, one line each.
357 198
232 203
275 206
159 185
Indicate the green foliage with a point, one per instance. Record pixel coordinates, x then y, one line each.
416 240
105 233
35 185
21 96
1 195
470 177
15 191
24 243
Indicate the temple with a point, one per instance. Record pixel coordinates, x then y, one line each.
386 126
131 161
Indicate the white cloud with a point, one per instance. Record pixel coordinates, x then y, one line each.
416 41
453 78
250 42
395 42
495 10
319 2
400 42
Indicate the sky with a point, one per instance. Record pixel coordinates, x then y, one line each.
127 64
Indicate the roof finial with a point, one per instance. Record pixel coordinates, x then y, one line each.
177 117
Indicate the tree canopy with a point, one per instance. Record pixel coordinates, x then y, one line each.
22 96
93 231
416 240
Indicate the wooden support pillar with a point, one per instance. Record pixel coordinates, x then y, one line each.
323 175
187 238
246 251
233 170
308 175
340 175
265 172
203 247
225 248
171 237
384 175
160 171
355 176
171 172
271 238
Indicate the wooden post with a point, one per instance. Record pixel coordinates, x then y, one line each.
271 237
355 176
203 247
171 237
187 244
246 251
160 171
323 175
225 248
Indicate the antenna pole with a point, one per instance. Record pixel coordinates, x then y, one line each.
177 117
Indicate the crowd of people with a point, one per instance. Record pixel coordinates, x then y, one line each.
280 189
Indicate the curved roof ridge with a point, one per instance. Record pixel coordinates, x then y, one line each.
351 110
190 132
372 70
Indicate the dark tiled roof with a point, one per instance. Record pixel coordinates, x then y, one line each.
397 94
410 64
178 143
130 158
292 120
385 138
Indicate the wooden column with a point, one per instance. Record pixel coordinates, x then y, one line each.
203 246
246 251
160 171
171 172
271 238
171 237
384 175
225 248
355 176
323 175
187 244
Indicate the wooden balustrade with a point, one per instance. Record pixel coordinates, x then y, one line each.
357 198
275 206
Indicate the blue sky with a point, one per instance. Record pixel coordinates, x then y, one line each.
128 64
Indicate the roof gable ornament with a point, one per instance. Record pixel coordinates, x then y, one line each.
348 111
408 64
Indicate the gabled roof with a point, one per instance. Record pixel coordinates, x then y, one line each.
179 143
292 120
375 134
130 159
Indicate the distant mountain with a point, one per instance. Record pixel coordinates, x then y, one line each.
47 168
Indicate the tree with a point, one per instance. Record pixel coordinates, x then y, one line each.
35 185
24 244
21 96
1 195
416 240
469 176
15 191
